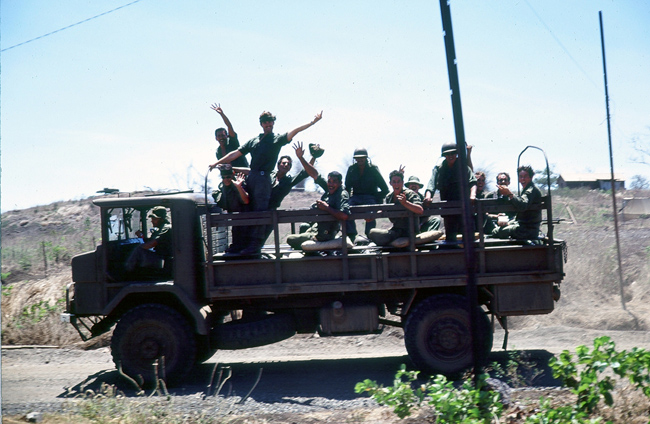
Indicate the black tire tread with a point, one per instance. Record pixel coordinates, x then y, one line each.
423 360
178 365
242 335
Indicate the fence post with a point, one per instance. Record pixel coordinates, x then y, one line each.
44 257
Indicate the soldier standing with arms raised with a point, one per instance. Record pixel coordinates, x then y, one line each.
264 150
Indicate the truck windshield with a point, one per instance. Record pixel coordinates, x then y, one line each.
122 223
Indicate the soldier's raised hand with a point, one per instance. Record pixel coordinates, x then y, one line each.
217 108
297 146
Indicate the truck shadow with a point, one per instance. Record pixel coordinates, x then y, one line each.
326 378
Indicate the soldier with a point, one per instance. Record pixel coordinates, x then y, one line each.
427 223
366 187
264 150
228 142
155 251
232 197
400 196
446 178
334 201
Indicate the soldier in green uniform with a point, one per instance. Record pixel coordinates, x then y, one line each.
228 141
231 196
526 224
366 187
446 178
155 251
427 223
334 201
399 196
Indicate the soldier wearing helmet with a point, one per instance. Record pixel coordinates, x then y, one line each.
446 178
366 187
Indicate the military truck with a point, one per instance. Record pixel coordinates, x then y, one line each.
200 300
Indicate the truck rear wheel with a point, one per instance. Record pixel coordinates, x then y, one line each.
148 333
438 335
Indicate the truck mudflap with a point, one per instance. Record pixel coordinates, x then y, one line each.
88 327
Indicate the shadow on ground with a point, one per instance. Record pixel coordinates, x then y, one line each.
328 378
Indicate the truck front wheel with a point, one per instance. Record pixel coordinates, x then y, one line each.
150 333
438 335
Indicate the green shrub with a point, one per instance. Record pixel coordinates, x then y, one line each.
466 404
584 376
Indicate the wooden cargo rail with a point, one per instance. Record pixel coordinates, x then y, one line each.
285 271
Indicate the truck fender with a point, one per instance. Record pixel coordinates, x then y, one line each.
192 310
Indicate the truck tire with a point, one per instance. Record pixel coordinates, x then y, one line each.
149 332
438 335
244 334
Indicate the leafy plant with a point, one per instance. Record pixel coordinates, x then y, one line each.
585 376
6 290
40 310
519 370
466 404
401 396
560 415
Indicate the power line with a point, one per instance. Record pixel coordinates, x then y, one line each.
69 26
557 40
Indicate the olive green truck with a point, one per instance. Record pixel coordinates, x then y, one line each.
201 299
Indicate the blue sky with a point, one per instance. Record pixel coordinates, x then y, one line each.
123 100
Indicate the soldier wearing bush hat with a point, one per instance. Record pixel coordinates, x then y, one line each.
415 181
160 241
159 212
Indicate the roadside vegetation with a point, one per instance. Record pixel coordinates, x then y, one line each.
601 381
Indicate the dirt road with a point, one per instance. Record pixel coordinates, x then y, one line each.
299 369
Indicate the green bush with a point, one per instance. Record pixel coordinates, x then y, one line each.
466 404
584 375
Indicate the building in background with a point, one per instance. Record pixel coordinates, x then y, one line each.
592 181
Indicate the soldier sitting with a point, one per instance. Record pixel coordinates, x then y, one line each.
156 251
406 198
334 201
526 224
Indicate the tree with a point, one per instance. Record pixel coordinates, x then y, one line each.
639 182
641 146
540 179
